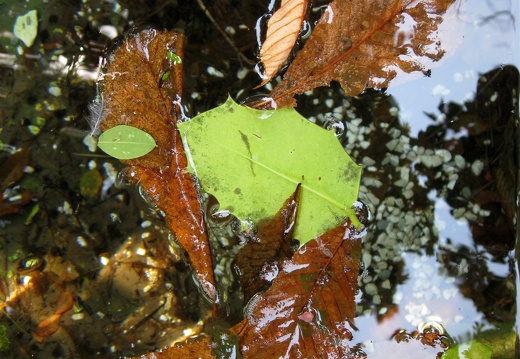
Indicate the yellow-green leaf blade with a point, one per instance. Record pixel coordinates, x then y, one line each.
252 160
126 142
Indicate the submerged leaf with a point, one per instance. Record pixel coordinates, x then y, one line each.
252 160
363 44
126 142
283 29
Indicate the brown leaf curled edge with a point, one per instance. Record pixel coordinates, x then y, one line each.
283 29
140 85
364 44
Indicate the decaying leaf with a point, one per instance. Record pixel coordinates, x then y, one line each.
47 327
140 84
283 29
198 348
51 324
363 44
11 171
309 309
261 258
264 156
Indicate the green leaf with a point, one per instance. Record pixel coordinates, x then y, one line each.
26 27
252 160
474 349
126 142
174 57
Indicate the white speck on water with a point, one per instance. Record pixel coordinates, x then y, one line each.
214 72
458 77
477 167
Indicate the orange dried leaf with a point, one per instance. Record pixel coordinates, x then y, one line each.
308 311
197 348
47 327
65 302
363 44
140 84
283 29
64 271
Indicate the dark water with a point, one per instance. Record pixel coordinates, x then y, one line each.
440 178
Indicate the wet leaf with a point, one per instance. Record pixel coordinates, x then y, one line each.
364 44
26 27
309 309
126 142
90 183
13 168
283 29
51 324
47 327
63 270
264 156
197 348
136 92
260 259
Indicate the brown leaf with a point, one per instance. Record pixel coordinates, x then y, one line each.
138 92
12 169
64 271
198 348
262 257
47 327
363 44
8 206
283 29
308 311
65 302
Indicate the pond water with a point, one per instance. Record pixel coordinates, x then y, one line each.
440 179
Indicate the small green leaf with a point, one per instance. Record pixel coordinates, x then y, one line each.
126 142
26 27
165 75
175 59
252 161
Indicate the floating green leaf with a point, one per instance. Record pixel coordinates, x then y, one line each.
26 27
126 142
252 160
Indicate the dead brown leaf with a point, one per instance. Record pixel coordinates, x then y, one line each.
283 29
141 83
51 324
47 327
262 256
309 309
197 348
62 271
364 44
12 169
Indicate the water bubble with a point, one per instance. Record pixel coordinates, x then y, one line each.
332 123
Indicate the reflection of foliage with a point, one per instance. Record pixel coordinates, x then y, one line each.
486 184
482 135
493 295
